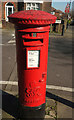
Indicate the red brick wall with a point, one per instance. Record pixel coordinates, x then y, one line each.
0 11
6 24
3 8
46 6
40 6
24 6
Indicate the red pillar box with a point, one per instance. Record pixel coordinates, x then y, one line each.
32 37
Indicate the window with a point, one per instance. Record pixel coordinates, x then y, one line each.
9 9
32 6
53 13
60 14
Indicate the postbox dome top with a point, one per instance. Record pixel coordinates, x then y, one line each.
30 17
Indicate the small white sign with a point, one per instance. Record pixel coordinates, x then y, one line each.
58 21
33 58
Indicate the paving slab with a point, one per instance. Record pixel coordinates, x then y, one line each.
64 111
12 78
47 117
64 103
7 35
10 105
6 115
8 62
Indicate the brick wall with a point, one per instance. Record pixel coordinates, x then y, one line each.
20 6
24 6
6 24
40 6
0 11
3 8
46 6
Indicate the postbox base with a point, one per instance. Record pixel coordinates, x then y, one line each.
36 113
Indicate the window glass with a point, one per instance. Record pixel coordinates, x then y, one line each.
9 4
52 13
37 8
60 14
28 8
32 6
9 11
37 4
28 4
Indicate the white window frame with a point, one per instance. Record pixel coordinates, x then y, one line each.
53 13
33 1
6 11
31 6
60 14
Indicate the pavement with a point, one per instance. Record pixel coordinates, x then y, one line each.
59 94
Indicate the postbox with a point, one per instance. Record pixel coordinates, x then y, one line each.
32 37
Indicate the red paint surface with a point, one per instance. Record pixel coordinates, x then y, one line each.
32 17
32 81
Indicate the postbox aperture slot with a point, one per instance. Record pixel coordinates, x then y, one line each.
33 58
30 34
41 40
33 40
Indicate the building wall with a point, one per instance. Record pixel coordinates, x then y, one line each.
40 6
24 6
20 5
46 6
4 22
3 8
0 10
